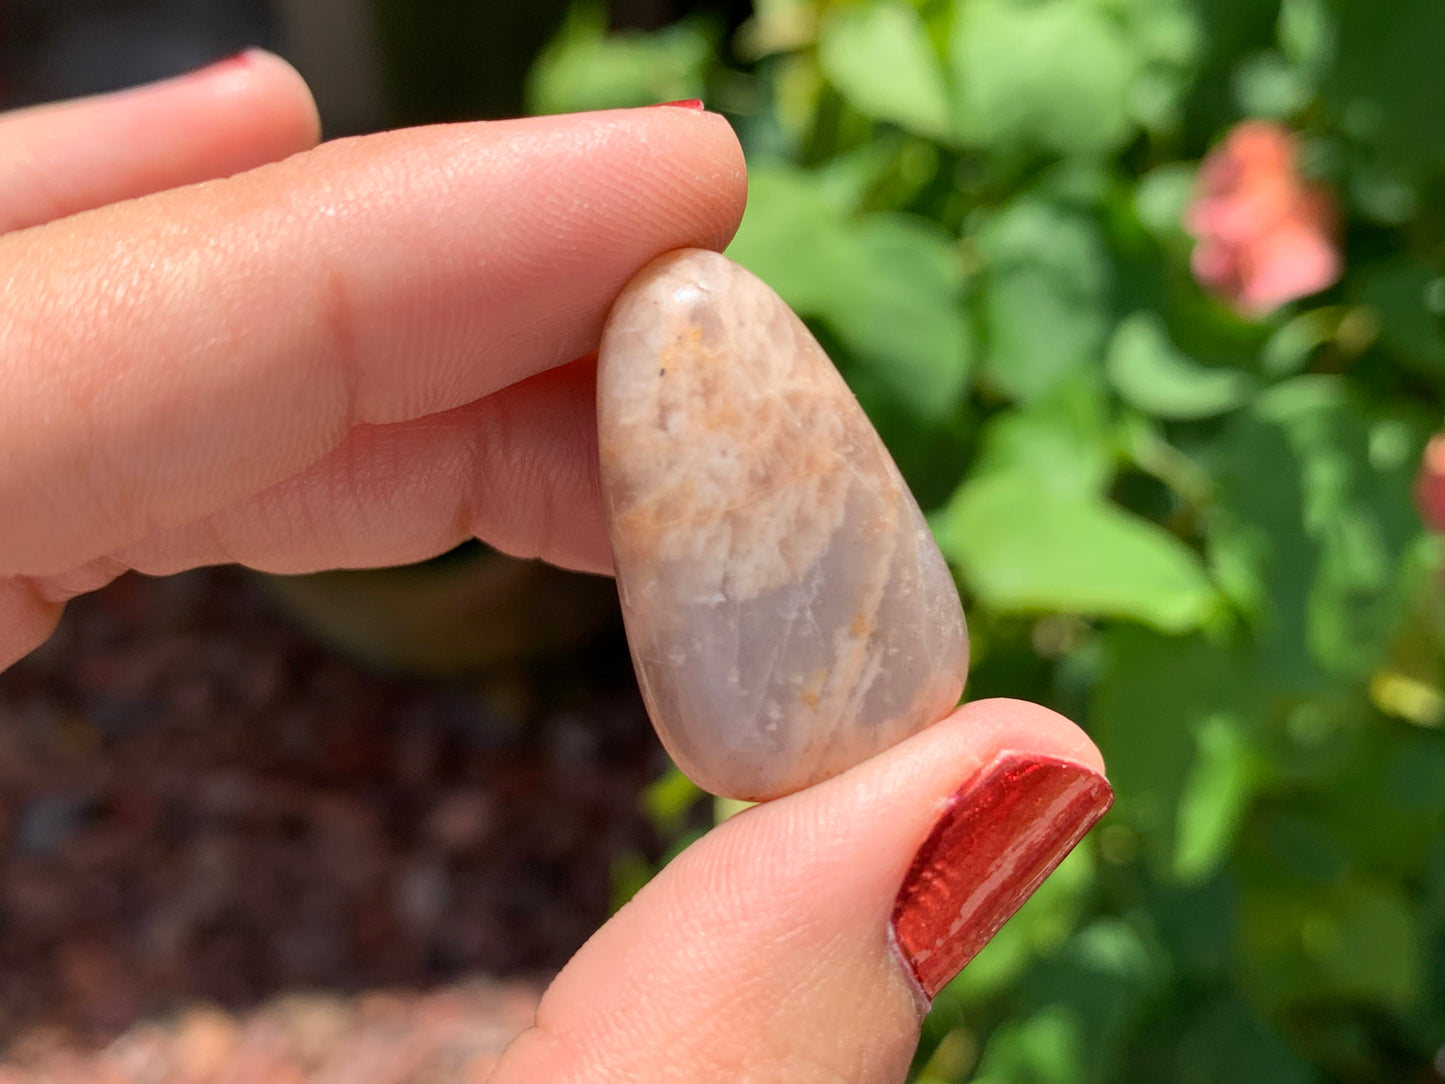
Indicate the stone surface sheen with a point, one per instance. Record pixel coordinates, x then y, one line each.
788 611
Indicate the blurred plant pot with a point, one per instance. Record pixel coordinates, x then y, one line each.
469 610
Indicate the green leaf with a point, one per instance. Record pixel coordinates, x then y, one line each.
879 57
1168 38
1258 544
1214 798
1026 550
1161 198
1052 75
1062 438
900 312
888 286
584 67
1266 86
1047 281
1165 32
669 801
1357 513
1106 980
629 875
1382 192
1155 694
1290 349
1045 1049
792 239
1150 373
1307 35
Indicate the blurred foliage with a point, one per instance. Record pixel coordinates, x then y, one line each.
1192 532
450 60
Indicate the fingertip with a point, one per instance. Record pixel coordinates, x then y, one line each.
839 910
732 176
1019 726
265 100
731 179
710 161
277 87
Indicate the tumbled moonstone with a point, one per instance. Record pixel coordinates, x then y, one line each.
788 611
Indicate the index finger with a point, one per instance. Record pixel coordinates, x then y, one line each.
166 357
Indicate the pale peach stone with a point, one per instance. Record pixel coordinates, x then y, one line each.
788 610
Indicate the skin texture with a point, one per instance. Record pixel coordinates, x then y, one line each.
363 354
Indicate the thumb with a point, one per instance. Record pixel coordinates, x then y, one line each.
803 939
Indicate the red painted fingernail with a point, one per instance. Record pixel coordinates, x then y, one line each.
685 103
242 59
1000 836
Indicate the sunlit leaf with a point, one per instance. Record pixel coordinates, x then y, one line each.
1161 197
1047 280
1150 373
1290 349
1155 694
902 313
792 239
1046 1049
879 57
1266 86
1307 35
1063 439
1220 783
1023 550
1053 75
888 286
585 67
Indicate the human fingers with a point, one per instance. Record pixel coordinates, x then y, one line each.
166 358
57 160
517 469
801 940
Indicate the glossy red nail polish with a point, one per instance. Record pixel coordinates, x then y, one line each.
1001 835
685 103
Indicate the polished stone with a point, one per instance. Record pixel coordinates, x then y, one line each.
788 611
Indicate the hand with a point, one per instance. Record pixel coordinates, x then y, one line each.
365 353
360 355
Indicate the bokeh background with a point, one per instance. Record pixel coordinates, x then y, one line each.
1148 299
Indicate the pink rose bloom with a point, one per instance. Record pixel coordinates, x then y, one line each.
1266 236
1430 485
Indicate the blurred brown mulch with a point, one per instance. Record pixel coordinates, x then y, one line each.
454 1036
201 812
